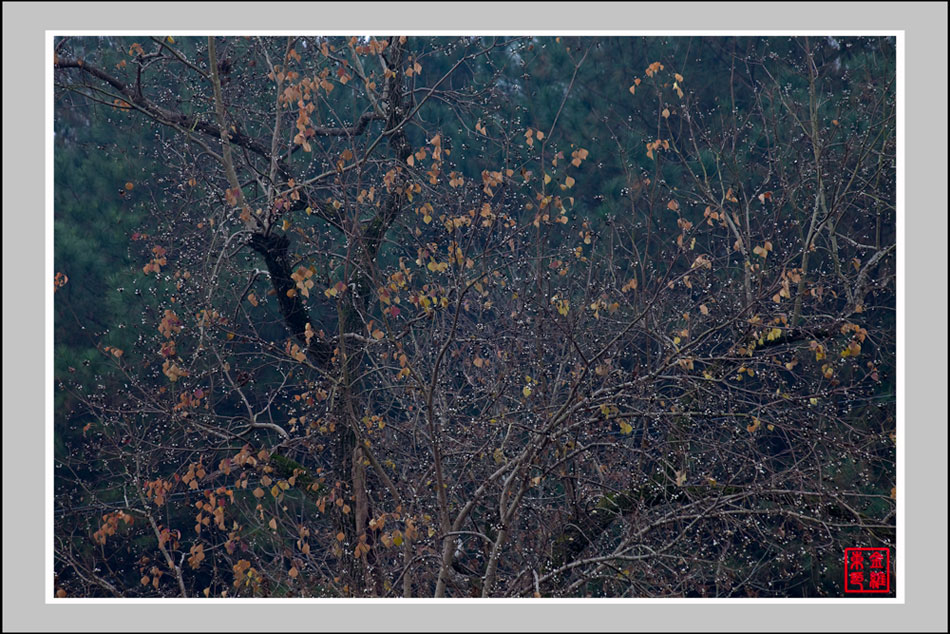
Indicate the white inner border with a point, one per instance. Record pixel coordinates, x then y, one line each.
50 272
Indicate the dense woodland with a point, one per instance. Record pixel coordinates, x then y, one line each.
472 316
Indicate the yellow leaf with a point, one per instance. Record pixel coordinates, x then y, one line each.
273 524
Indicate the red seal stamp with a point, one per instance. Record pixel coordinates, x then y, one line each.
867 570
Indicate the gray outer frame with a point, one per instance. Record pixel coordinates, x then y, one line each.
925 316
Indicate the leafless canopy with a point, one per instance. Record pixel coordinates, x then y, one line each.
394 345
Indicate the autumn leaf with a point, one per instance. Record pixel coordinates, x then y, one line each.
577 156
59 281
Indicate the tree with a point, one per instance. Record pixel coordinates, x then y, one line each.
416 327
